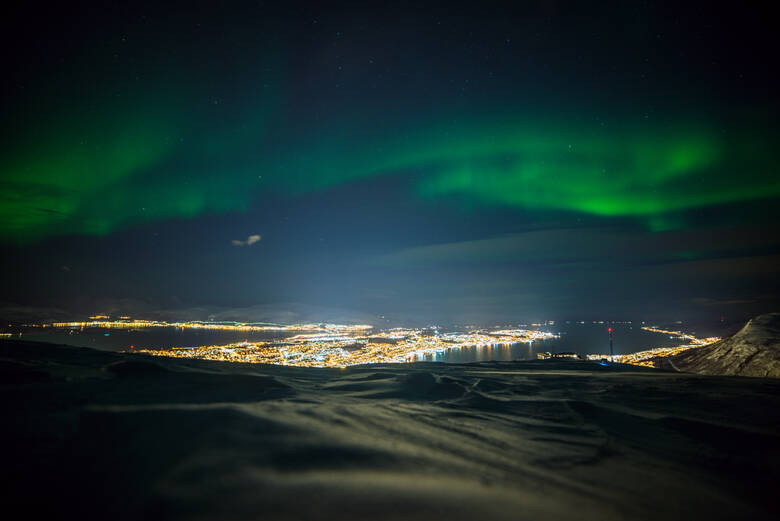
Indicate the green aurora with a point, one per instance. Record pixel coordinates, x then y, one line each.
94 175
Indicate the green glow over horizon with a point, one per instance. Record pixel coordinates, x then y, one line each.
96 175
642 172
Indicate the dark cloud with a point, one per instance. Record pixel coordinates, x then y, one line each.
585 245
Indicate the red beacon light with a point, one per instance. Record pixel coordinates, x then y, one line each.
609 329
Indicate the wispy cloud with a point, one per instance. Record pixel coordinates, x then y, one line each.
585 246
248 242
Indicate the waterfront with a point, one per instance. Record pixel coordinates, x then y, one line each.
578 337
343 345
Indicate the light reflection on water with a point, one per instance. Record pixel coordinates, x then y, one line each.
578 338
487 353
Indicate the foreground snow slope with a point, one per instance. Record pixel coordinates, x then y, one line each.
95 435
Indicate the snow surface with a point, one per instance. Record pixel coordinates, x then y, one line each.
754 350
97 435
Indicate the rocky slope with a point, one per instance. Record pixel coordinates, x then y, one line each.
753 351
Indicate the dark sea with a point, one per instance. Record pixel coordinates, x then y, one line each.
574 337
152 338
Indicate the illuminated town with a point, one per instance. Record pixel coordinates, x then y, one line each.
102 321
348 348
337 345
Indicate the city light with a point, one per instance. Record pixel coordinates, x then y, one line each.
351 347
337 345
101 321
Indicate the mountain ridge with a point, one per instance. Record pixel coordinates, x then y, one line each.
753 351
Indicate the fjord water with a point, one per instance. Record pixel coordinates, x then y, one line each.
153 338
574 337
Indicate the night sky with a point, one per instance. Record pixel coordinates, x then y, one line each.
445 162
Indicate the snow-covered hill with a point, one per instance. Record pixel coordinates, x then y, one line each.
752 351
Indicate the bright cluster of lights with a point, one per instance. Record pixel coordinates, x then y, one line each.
548 356
101 321
334 345
678 334
345 349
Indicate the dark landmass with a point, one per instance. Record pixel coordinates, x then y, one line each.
754 350
98 435
381 340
